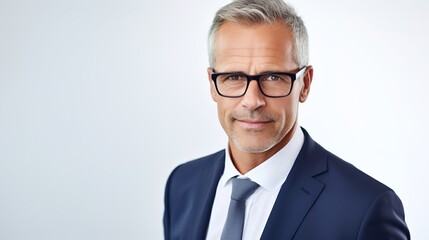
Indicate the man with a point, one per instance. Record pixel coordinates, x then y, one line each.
289 186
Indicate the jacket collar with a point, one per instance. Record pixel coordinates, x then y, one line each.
298 193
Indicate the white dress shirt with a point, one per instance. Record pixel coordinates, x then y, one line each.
270 175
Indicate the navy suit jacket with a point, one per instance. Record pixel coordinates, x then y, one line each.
323 197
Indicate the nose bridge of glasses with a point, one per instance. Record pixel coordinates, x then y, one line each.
253 77
257 82
256 85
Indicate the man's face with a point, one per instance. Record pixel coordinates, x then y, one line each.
255 123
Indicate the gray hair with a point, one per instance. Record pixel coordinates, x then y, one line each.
262 11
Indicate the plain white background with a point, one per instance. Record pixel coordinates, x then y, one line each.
100 100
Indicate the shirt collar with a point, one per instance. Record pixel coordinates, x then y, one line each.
273 172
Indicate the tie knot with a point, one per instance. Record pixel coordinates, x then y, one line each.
242 188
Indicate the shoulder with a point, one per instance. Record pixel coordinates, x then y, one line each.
197 165
335 173
350 188
191 170
347 175
379 210
342 181
355 199
186 187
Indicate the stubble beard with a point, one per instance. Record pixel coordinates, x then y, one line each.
259 142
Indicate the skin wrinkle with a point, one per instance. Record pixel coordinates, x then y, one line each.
268 63
269 67
251 54
254 50
261 56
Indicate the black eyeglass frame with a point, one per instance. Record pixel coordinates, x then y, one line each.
257 78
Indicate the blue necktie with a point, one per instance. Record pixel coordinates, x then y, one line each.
241 190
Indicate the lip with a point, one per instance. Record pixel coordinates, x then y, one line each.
253 124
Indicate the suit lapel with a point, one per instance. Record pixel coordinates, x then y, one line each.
206 184
298 193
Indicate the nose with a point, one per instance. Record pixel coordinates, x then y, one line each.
253 99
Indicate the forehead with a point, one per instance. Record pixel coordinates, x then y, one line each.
253 47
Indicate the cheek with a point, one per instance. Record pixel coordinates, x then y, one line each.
289 112
223 111
221 115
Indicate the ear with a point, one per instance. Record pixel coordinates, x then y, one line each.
212 86
306 79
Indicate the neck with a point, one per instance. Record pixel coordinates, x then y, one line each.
246 161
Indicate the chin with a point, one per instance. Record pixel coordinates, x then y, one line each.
254 147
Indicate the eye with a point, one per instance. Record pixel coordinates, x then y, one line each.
235 78
272 78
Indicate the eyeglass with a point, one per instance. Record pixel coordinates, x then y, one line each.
271 84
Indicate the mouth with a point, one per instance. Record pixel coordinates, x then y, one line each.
252 123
